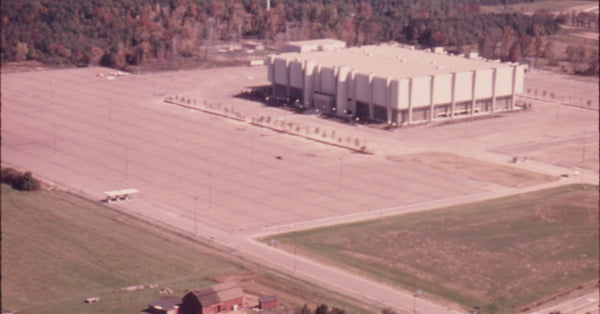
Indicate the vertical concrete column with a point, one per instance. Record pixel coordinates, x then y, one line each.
352 93
494 82
287 74
371 110
473 93
453 104
431 105
514 87
309 86
341 94
271 73
388 100
410 92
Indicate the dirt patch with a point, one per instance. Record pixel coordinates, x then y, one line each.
475 169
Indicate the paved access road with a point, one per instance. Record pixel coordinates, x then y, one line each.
586 304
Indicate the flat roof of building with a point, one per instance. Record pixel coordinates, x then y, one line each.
314 45
313 42
165 304
218 293
389 60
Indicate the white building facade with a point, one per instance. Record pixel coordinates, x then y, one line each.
394 84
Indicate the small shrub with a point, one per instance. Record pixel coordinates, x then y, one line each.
9 175
322 309
28 183
305 310
335 310
19 181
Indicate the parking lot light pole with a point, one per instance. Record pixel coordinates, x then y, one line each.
419 292
195 217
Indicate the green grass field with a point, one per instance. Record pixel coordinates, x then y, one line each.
500 254
59 248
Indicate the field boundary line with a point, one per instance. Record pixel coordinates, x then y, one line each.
405 209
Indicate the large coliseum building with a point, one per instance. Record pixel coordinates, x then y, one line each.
391 83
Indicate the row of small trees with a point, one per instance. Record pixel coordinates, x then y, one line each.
19 180
321 309
324 309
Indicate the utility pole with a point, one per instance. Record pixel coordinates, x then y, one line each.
126 165
54 132
419 292
294 252
195 218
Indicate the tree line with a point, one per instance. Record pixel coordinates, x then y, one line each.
117 33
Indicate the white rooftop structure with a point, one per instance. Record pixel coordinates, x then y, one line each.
392 83
314 45
391 60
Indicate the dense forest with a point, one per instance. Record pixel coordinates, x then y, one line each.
118 33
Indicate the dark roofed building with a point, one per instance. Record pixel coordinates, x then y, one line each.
164 306
267 302
223 297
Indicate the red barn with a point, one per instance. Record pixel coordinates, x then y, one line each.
219 298
268 302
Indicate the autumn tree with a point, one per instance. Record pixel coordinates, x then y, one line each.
550 53
361 19
136 31
575 53
275 21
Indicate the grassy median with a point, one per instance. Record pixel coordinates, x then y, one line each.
502 254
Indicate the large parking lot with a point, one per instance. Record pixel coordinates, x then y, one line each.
90 131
